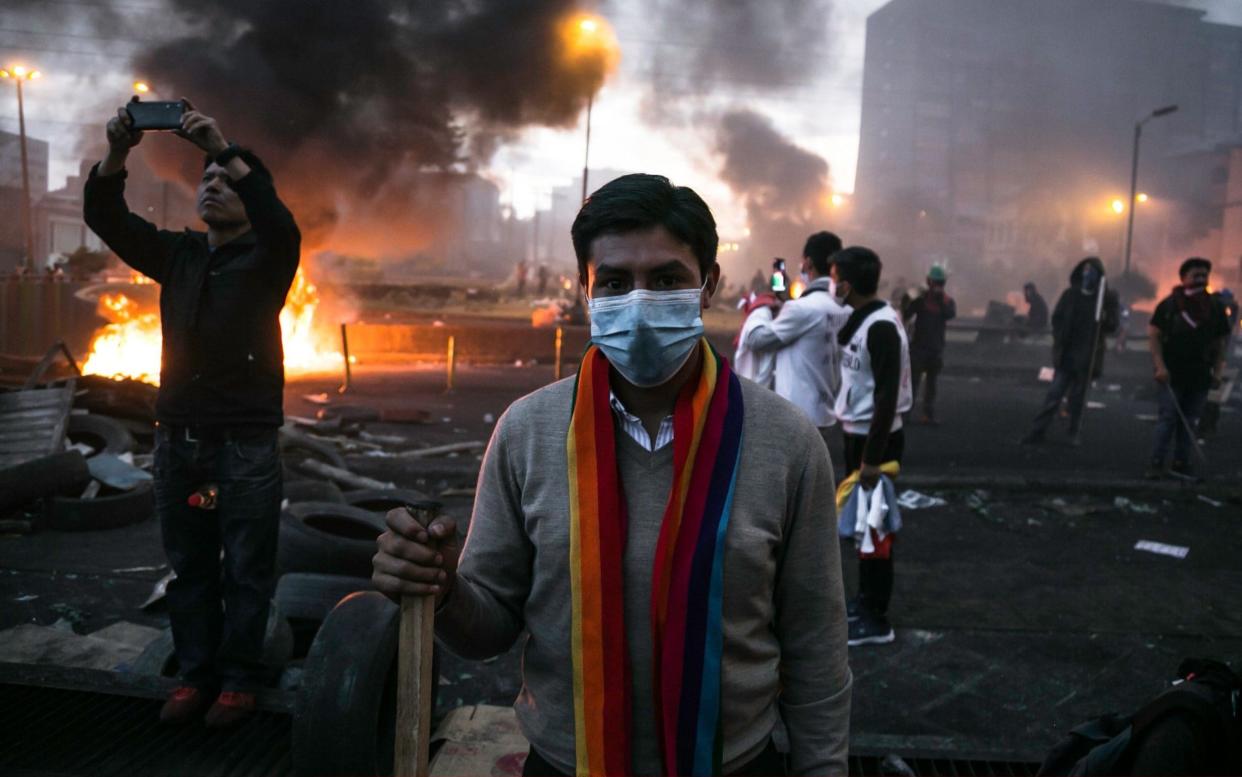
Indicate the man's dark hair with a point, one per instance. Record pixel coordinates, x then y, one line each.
1194 263
247 156
860 267
639 201
819 249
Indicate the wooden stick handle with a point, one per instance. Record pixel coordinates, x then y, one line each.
415 679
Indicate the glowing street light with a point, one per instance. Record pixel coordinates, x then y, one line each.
1118 205
1138 133
142 87
20 73
1141 197
590 37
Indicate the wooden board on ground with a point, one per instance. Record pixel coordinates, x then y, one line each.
480 739
33 423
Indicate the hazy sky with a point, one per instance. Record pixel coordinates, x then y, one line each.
818 111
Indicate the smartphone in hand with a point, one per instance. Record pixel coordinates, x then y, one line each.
155 115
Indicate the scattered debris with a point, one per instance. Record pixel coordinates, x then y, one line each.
913 500
1176 551
114 472
894 764
1046 374
1149 417
141 569
27 598
440 450
977 500
340 475
318 399
383 439
488 418
1113 387
1209 500
1092 405
1124 503
158 591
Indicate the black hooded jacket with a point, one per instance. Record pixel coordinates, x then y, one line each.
1075 333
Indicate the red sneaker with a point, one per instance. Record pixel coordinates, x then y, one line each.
185 704
231 708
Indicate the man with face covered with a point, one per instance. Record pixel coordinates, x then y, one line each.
1085 313
219 405
656 526
1188 335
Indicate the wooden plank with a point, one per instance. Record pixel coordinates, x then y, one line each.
415 679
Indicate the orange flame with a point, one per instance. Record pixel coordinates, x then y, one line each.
129 346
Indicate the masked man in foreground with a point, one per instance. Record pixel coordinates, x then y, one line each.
657 526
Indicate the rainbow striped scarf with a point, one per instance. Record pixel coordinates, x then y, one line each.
687 581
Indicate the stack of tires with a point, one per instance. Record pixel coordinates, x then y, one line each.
60 491
345 717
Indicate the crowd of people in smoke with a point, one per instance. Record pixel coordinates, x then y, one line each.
664 532
1189 337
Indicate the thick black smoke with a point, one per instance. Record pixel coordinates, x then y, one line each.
784 188
702 54
348 101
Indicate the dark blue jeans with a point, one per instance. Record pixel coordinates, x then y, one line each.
1168 425
1064 382
219 607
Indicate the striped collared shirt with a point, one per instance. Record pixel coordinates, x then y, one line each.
635 429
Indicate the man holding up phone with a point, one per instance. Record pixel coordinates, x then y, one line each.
217 464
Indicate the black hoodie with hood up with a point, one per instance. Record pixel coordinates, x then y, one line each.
1073 322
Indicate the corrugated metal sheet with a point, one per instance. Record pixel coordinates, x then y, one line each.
33 423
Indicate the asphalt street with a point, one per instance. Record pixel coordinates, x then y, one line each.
1019 611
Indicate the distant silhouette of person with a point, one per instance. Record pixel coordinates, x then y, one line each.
521 272
542 276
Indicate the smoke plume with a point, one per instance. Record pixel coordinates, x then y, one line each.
784 188
350 102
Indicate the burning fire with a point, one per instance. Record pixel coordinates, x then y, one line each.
129 346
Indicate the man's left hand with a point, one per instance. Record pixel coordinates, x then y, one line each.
869 476
201 130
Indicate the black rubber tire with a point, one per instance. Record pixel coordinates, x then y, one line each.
105 512
329 538
65 474
104 434
345 716
309 596
313 491
295 446
381 500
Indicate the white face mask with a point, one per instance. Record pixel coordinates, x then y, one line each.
648 335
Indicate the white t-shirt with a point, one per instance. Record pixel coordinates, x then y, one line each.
804 339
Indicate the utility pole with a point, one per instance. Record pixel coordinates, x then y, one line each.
1134 159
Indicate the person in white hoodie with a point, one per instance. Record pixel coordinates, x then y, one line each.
804 337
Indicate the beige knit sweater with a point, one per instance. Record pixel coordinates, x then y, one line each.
784 605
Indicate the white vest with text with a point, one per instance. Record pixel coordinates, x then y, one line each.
856 399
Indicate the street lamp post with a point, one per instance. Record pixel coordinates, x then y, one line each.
20 74
1134 159
586 157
